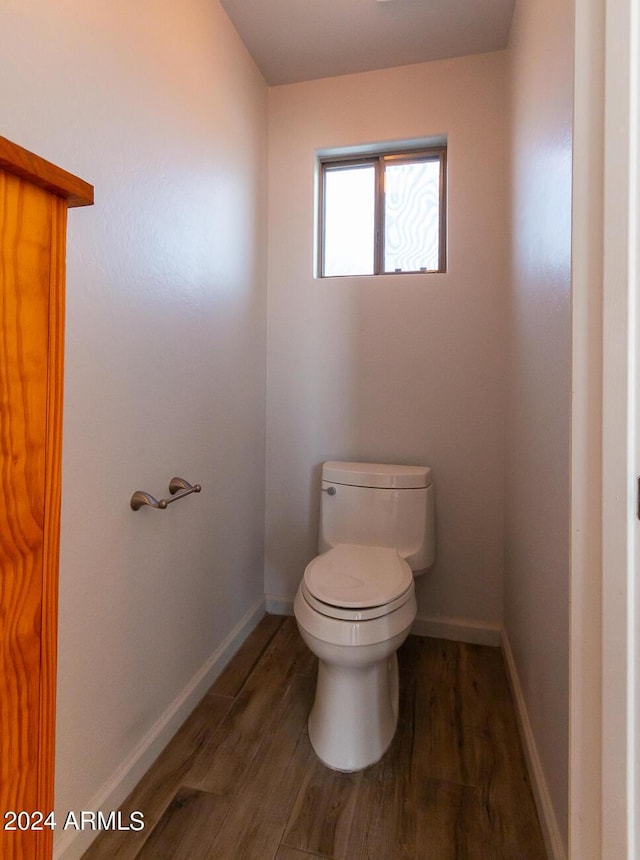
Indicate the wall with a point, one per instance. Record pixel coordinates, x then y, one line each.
166 114
537 535
404 368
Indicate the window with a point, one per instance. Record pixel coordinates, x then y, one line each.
383 214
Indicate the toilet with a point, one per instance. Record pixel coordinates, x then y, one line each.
356 603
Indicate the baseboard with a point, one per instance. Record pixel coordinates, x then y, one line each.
278 605
546 813
74 843
457 629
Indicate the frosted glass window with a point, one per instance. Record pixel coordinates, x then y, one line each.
383 213
412 217
349 207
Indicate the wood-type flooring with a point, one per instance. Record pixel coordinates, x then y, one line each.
240 780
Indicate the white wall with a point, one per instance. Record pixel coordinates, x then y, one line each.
397 368
537 507
162 109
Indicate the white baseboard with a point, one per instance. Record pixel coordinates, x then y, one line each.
279 605
546 813
74 843
457 629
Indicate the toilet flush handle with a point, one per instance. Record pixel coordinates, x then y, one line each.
330 491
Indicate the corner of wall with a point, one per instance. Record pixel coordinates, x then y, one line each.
546 813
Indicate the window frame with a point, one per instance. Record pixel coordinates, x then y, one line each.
379 160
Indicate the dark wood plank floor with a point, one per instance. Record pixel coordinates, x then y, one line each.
240 780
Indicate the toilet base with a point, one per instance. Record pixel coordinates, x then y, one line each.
355 713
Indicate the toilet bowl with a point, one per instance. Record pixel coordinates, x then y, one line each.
356 604
355 713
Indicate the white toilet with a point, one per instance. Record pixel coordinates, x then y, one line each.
356 603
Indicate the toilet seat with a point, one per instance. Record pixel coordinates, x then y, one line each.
355 582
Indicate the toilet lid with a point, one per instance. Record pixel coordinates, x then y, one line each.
352 576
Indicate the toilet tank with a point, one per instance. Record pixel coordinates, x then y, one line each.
378 504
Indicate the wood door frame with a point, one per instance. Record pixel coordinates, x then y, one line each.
52 490
65 190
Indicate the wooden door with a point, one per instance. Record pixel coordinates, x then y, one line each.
32 256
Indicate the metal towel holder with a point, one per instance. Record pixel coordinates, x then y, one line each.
178 487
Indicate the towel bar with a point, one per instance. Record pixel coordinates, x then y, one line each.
178 487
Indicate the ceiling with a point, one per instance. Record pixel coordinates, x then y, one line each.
300 40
